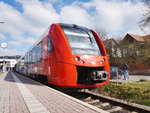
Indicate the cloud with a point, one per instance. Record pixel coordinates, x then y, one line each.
39 15
26 40
34 19
14 23
29 40
109 15
2 37
116 16
14 43
75 15
26 26
10 52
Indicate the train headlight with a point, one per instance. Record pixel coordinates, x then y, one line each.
82 62
77 58
101 62
103 59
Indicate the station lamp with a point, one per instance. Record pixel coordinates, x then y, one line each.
4 46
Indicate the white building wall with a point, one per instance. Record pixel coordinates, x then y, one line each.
12 62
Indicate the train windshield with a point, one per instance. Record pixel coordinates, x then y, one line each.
82 41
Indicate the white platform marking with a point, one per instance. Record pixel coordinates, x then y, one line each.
32 103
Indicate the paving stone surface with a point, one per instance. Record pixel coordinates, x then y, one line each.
19 94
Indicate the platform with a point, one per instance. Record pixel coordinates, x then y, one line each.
19 94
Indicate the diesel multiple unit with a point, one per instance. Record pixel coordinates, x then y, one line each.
68 56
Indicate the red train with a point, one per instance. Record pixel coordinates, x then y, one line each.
68 56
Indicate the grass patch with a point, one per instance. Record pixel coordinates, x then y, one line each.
138 92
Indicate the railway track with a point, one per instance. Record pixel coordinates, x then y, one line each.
109 104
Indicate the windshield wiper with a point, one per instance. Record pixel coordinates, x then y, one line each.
89 37
83 31
76 27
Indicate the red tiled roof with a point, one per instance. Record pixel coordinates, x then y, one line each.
140 38
146 37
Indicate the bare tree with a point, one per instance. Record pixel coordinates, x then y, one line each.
102 33
145 22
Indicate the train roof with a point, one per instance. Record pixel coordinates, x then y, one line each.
64 25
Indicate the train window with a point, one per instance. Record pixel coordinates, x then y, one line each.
50 47
35 54
39 52
25 58
30 57
82 41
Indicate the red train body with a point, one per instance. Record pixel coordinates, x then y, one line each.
70 56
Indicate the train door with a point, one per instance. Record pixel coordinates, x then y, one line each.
45 57
39 58
51 61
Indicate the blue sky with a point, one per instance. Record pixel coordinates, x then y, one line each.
26 20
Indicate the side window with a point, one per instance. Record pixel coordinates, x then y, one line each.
30 56
35 54
25 58
50 47
39 52
28 59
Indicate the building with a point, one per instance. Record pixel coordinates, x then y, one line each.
130 45
112 48
9 62
135 44
136 38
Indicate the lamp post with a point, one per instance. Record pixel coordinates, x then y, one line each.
4 46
